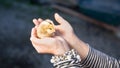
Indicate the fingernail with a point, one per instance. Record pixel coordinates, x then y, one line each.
39 19
34 19
57 14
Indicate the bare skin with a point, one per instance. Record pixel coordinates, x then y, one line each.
66 32
55 45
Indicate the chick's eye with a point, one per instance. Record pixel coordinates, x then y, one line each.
50 23
50 28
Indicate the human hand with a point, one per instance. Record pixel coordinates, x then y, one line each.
64 28
66 31
55 45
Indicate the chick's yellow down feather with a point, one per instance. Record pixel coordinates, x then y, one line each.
46 29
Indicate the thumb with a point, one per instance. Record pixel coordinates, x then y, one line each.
59 19
58 28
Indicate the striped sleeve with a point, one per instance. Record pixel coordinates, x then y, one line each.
97 59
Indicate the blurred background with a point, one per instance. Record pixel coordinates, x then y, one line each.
16 16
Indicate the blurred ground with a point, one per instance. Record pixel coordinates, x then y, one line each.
16 50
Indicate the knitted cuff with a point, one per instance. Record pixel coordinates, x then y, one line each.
69 59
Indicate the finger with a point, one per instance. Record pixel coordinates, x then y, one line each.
59 19
40 20
33 37
36 22
33 32
37 41
41 48
59 29
59 38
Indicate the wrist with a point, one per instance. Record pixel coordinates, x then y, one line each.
61 50
71 38
78 45
59 53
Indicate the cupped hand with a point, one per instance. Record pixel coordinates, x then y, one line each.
55 45
64 29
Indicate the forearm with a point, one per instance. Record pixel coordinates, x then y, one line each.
81 47
94 59
91 57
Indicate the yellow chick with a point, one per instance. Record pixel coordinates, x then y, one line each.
46 29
